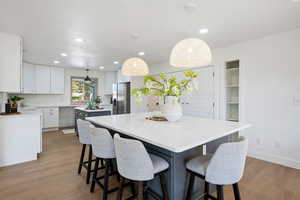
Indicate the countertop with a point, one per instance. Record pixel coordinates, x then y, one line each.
185 134
98 110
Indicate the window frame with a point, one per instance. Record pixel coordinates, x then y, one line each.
81 77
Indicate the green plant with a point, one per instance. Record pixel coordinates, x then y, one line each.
98 100
163 86
15 99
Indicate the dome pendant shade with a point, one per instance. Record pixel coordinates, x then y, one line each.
191 52
135 67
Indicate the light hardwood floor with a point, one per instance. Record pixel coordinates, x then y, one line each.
54 177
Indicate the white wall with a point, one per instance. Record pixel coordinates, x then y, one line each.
66 97
270 69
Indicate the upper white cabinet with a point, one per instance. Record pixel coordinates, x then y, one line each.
121 78
10 63
43 80
28 86
109 80
57 80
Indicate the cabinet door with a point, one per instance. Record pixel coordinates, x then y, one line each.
50 118
42 80
201 103
10 63
121 78
57 80
28 79
109 80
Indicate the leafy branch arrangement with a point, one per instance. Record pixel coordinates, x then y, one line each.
163 86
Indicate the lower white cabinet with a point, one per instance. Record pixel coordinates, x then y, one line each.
50 117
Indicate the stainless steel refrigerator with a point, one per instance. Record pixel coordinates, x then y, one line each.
121 98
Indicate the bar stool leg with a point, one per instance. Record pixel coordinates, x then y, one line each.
106 178
140 190
164 186
220 195
236 191
88 175
190 186
95 175
81 158
132 187
120 191
206 190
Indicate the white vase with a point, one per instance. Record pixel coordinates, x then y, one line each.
172 109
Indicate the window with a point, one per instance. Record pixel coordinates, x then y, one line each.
82 92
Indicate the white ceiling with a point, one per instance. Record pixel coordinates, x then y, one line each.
50 26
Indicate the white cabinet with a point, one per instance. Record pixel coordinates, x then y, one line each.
109 80
201 103
28 86
10 63
50 117
121 78
57 80
43 80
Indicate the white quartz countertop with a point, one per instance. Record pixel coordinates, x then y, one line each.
185 134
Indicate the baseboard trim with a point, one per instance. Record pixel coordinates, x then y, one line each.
275 159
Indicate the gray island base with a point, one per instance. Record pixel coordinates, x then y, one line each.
170 146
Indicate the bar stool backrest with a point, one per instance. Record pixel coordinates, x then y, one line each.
102 143
133 160
228 163
84 131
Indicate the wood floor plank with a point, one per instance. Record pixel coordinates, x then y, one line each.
54 177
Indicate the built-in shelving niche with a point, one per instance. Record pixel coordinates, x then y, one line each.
232 90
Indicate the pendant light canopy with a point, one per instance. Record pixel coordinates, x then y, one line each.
135 67
87 78
191 52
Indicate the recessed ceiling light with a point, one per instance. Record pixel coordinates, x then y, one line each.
56 62
203 31
64 54
141 53
79 40
296 1
101 67
116 62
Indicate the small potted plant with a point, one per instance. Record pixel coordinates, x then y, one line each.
14 105
170 89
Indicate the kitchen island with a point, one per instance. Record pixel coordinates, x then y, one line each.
174 141
83 113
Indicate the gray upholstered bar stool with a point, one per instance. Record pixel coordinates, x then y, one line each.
137 166
224 167
84 132
103 148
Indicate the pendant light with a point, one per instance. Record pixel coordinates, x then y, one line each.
87 78
135 67
191 52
